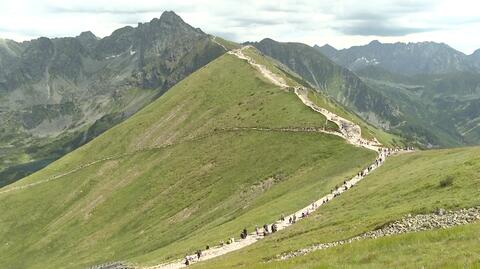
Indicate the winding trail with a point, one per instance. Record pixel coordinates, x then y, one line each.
348 131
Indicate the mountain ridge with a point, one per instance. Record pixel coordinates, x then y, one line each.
410 58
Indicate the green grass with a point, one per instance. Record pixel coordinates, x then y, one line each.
406 184
181 179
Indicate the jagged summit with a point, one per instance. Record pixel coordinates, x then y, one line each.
87 35
170 16
326 49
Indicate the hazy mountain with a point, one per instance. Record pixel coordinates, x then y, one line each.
54 90
403 58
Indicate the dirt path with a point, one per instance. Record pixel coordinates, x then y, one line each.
8 189
214 39
348 130
281 224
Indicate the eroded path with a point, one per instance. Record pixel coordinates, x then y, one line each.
348 130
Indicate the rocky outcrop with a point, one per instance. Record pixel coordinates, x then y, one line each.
441 219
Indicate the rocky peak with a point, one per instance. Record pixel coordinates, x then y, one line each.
327 50
87 39
87 35
169 17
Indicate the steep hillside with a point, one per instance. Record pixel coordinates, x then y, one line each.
56 94
192 168
408 184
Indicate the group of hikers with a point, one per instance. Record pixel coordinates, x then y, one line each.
266 231
198 254
384 152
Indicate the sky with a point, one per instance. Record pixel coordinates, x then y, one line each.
341 23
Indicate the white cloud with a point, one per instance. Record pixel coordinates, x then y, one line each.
340 23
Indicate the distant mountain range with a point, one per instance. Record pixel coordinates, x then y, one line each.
56 94
405 58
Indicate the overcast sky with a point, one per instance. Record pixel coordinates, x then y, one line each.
341 23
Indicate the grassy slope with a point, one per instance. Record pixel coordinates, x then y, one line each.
179 180
405 184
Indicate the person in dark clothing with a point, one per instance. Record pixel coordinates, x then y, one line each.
265 229
274 228
244 233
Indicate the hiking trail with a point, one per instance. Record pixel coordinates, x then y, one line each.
348 131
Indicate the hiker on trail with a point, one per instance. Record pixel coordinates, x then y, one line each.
294 218
274 228
257 230
187 261
207 247
265 229
282 217
199 254
244 233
